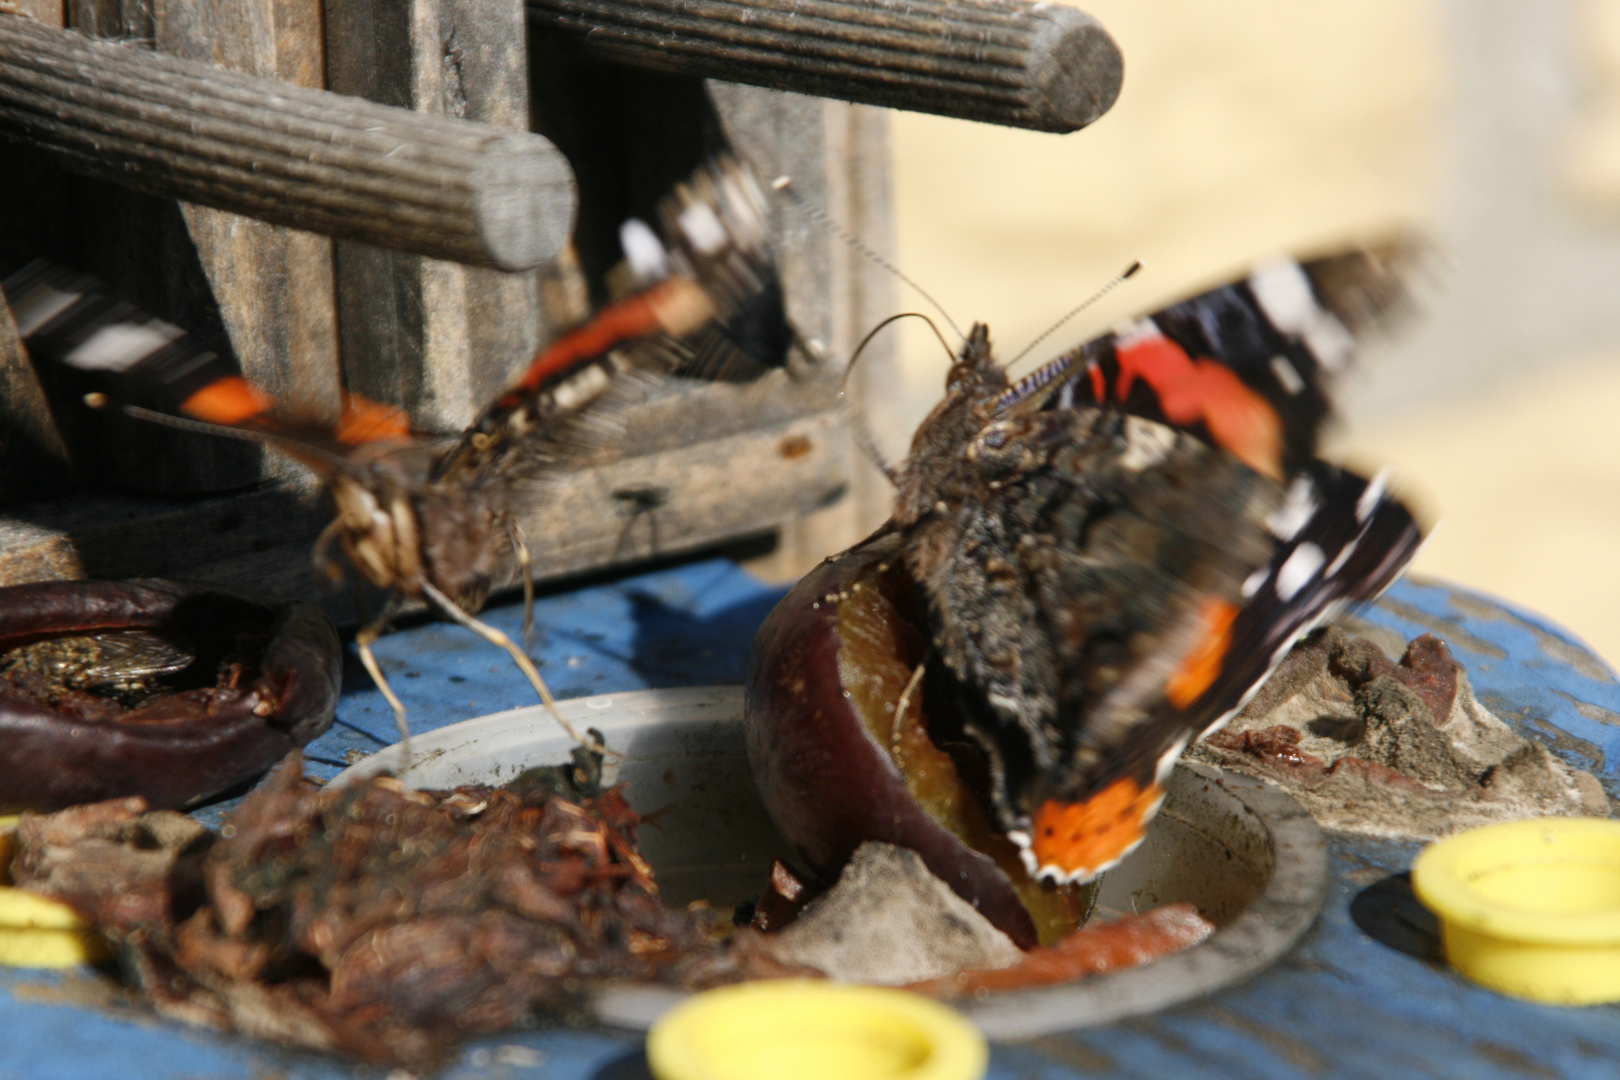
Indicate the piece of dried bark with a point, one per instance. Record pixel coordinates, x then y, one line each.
1399 749
385 923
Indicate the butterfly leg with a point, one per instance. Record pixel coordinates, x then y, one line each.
363 640
514 532
495 637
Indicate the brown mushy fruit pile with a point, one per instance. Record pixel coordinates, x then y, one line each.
385 923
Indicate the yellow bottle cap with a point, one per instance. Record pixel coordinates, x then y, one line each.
1530 908
810 1030
40 933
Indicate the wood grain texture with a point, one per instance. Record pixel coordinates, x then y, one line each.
33 456
439 339
263 539
1042 66
273 284
285 154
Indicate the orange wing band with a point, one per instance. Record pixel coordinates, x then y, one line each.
366 421
1189 391
1203 661
228 401
1085 838
635 316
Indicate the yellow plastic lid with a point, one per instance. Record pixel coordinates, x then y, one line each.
40 933
1530 908
811 1030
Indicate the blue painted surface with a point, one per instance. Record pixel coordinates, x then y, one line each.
1342 1005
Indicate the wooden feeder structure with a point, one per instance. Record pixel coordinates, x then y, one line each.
407 201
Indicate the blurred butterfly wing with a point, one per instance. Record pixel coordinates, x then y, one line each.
1246 365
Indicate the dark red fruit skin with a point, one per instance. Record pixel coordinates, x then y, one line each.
48 761
827 783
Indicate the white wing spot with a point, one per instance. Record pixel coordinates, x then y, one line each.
1298 505
122 345
1146 443
1301 566
1287 375
1330 342
1135 332
643 250
581 388
1284 293
1369 500
1252 583
703 228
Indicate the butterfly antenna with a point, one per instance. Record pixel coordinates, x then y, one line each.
860 429
1119 279
99 400
519 657
815 213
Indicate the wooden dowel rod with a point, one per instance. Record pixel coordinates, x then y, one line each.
313 160
1042 66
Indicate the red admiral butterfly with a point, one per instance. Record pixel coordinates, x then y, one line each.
414 517
1117 549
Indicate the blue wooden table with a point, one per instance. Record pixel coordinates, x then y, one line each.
1361 996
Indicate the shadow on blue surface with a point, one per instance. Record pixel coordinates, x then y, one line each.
673 647
632 1066
1389 912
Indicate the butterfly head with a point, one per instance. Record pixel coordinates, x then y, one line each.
972 386
399 532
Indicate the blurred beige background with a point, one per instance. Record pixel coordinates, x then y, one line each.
1254 126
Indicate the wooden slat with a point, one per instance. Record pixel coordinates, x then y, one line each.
290 155
1034 65
263 539
33 456
273 284
439 339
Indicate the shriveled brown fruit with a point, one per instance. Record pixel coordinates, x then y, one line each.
842 753
252 678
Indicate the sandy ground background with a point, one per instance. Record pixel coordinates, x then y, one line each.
1254 126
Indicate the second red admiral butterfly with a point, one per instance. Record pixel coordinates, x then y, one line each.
1116 550
414 517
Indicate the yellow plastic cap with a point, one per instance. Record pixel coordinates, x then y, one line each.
1530 908
40 933
808 1030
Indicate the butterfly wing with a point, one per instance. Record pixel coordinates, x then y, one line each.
1246 365
75 320
707 259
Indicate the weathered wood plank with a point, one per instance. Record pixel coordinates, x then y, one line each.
291 155
1033 65
273 284
33 456
439 339
580 521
